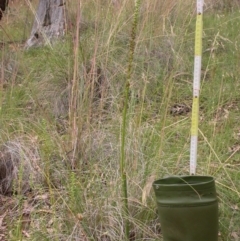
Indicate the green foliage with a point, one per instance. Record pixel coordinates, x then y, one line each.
85 199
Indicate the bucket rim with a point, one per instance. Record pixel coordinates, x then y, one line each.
184 183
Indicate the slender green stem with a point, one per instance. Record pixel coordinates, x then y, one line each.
124 118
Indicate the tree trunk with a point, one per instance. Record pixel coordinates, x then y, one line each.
49 23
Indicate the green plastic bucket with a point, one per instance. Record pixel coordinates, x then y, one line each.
187 208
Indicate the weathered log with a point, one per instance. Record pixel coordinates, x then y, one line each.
3 5
49 23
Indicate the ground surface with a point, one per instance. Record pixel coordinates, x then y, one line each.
61 118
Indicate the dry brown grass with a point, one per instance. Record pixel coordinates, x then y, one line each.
21 168
84 203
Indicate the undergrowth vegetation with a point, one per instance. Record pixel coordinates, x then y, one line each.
61 110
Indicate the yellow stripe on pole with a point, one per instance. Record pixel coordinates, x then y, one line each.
195 114
196 87
198 35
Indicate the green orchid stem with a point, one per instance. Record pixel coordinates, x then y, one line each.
124 120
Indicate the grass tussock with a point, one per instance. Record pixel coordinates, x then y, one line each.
61 112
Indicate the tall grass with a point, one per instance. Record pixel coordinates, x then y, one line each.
64 108
74 96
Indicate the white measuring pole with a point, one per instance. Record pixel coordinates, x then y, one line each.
196 87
